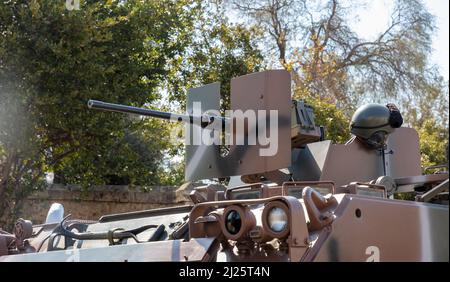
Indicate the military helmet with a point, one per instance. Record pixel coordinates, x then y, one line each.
373 122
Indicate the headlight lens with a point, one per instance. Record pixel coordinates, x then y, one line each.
277 219
233 222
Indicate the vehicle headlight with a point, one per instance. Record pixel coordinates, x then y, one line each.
277 219
233 222
237 221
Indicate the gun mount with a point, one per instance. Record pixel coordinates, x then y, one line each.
260 104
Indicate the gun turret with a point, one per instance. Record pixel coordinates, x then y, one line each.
303 127
262 125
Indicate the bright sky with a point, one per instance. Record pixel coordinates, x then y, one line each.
441 41
375 17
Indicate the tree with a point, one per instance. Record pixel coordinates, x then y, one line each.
428 114
219 51
331 61
433 143
53 61
279 21
335 122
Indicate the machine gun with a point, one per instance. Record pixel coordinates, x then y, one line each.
263 92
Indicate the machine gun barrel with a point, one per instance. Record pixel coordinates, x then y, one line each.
205 120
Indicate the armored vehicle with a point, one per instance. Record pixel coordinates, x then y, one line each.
292 195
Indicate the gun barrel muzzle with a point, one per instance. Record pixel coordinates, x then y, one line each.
100 105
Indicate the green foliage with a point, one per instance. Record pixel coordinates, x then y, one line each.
218 52
433 143
224 52
55 60
174 175
108 51
335 121
428 114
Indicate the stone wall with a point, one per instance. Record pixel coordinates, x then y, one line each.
101 200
